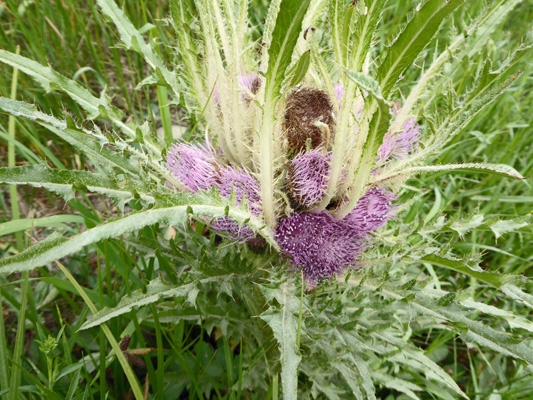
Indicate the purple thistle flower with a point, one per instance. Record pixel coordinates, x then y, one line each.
318 244
399 145
322 246
309 172
374 209
193 166
234 232
241 182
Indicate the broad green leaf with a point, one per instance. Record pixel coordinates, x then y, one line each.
400 385
463 45
514 292
493 169
478 332
284 38
370 85
348 32
368 18
65 183
416 36
57 247
336 19
268 28
284 324
415 357
30 111
351 377
515 321
462 227
482 29
492 278
106 158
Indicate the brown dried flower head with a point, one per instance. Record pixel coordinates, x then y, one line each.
308 115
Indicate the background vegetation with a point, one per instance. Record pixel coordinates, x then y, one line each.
197 352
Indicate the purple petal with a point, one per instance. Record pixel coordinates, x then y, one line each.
193 166
374 209
318 244
309 172
399 145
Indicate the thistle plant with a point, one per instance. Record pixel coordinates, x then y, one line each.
297 155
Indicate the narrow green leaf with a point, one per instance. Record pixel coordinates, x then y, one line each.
416 36
51 80
490 278
493 169
284 39
133 40
155 290
369 15
65 183
56 247
300 69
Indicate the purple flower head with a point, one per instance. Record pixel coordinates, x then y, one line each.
242 183
233 231
374 209
194 166
318 244
399 145
309 172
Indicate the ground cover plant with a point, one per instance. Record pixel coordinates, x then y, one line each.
247 199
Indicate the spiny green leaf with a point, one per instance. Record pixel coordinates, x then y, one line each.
202 205
494 169
416 36
284 324
155 290
284 39
51 80
133 40
65 183
369 14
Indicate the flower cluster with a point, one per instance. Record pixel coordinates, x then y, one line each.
313 241
199 168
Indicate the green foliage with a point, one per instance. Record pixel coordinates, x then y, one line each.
209 319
